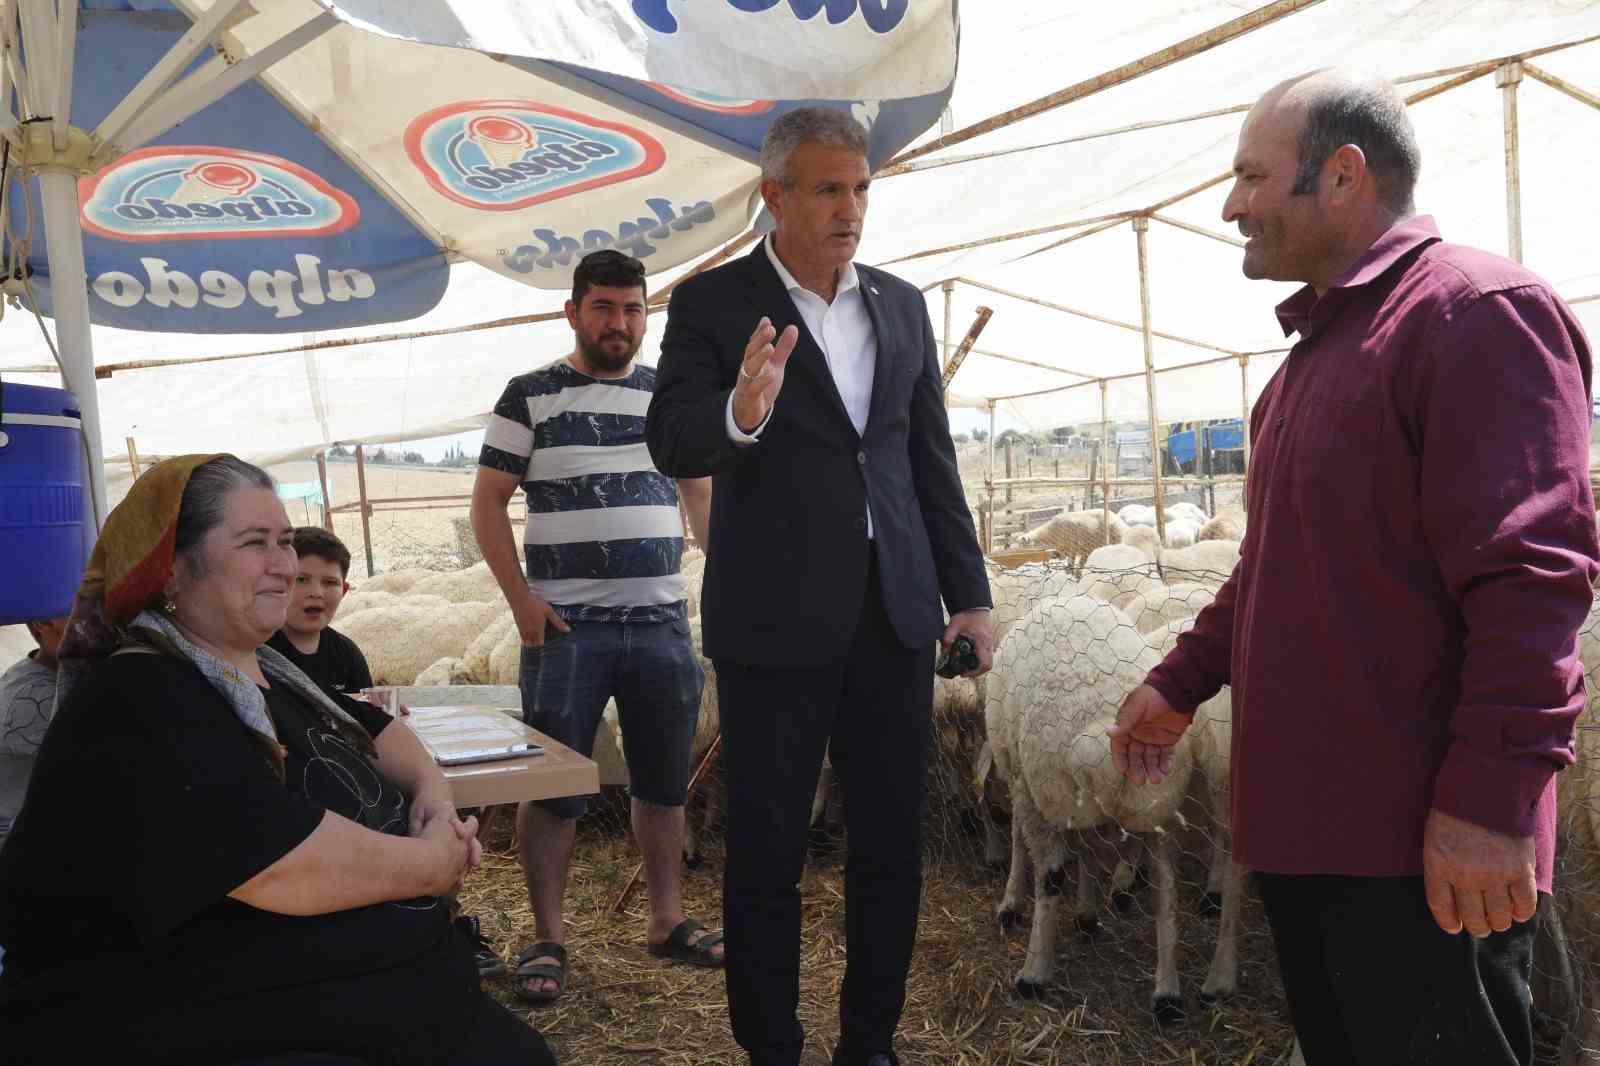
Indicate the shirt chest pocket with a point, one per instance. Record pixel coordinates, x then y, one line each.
1334 464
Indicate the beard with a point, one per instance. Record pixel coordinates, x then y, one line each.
609 359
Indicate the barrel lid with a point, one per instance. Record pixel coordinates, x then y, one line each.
37 400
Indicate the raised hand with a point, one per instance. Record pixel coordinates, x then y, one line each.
761 374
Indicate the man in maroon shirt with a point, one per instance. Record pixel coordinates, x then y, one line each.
1400 634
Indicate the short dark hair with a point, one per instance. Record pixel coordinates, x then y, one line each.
314 540
1373 118
607 267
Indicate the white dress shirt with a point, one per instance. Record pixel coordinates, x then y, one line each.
843 330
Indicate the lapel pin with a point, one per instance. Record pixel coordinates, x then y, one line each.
872 289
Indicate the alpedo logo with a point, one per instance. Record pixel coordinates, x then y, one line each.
196 192
504 155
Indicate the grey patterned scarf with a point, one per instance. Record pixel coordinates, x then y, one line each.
244 696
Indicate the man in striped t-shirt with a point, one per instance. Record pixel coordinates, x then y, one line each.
601 611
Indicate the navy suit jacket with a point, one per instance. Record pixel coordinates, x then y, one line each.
786 568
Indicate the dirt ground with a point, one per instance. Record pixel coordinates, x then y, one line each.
623 1006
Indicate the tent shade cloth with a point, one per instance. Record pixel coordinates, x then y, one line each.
334 189
1034 218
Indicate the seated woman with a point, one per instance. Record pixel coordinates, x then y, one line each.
216 861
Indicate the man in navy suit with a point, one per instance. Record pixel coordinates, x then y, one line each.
809 387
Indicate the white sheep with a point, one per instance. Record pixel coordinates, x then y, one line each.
1143 538
1117 571
474 584
1015 590
401 641
1184 511
693 570
476 657
505 657
1067 666
356 602
1209 563
1222 527
1157 605
1138 514
1075 533
395 581
446 671
1181 532
1118 558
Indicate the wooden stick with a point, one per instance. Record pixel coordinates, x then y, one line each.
327 501
1540 74
366 509
1508 78
1105 461
960 355
133 458
632 886
949 287
1091 316
1141 227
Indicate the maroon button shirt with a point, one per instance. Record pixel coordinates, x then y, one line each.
1401 630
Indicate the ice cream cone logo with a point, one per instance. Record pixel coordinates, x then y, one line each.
212 181
502 139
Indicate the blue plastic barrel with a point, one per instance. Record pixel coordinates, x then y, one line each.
44 537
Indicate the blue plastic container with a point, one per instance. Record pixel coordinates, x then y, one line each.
44 536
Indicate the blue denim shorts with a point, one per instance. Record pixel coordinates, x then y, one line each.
650 669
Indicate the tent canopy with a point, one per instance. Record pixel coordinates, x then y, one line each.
1033 217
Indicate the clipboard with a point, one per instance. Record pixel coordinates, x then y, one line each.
460 736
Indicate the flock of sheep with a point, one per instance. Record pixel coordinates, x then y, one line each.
1074 636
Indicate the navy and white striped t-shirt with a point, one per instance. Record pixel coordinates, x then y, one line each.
604 538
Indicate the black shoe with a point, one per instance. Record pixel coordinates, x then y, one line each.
490 964
881 1058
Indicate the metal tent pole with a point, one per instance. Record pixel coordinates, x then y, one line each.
1141 227
69 296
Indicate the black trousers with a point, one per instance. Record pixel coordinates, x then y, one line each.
1373 981
871 713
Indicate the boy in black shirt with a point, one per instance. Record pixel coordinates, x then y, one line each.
327 656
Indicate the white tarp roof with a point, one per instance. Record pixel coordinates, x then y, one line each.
1012 52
